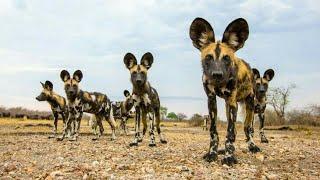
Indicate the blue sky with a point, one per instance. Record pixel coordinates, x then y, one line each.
40 38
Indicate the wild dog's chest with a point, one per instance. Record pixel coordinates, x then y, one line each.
260 106
143 99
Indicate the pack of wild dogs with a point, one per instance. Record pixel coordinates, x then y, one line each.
224 75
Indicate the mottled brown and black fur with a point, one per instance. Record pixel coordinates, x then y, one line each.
147 102
79 101
57 103
261 85
121 110
228 77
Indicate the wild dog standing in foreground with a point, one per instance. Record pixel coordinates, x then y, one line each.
260 99
80 101
228 77
121 110
57 103
147 102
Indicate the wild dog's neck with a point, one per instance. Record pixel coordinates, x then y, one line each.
56 100
74 97
140 90
260 98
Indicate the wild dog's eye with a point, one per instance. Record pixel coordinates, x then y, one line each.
265 84
67 85
208 57
258 84
227 59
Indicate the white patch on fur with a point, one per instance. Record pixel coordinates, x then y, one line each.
93 97
146 99
233 40
136 99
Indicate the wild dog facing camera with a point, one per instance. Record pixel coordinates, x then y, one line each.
217 57
71 85
138 71
262 83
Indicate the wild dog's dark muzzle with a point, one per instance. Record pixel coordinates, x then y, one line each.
217 74
41 97
262 90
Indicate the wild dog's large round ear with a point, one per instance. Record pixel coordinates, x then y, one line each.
256 73
126 93
77 75
201 33
48 85
236 33
268 75
42 84
147 60
129 60
64 75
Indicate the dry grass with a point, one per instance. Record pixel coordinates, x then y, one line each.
27 153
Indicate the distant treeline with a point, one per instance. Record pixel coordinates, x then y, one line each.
20 112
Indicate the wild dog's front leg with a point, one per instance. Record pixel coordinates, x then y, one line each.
124 125
136 128
262 135
67 126
248 124
112 124
212 155
78 117
144 123
151 131
55 123
157 115
231 111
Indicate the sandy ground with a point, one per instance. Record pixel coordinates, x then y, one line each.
27 153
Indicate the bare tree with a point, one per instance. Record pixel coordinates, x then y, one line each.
181 116
279 99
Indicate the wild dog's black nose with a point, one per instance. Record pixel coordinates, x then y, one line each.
37 98
139 81
217 74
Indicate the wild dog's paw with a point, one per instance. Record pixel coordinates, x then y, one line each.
94 138
74 138
60 138
264 140
221 151
229 160
254 148
113 138
163 141
152 144
210 156
51 136
140 140
133 144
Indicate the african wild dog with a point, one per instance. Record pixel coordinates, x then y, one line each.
260 100
228 77
121 110
146 98
57 103
79 101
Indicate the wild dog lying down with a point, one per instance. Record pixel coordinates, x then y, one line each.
147 102
228 77
121 110
80 101
260 100
57 103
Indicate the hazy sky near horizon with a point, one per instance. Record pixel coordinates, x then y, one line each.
40 38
